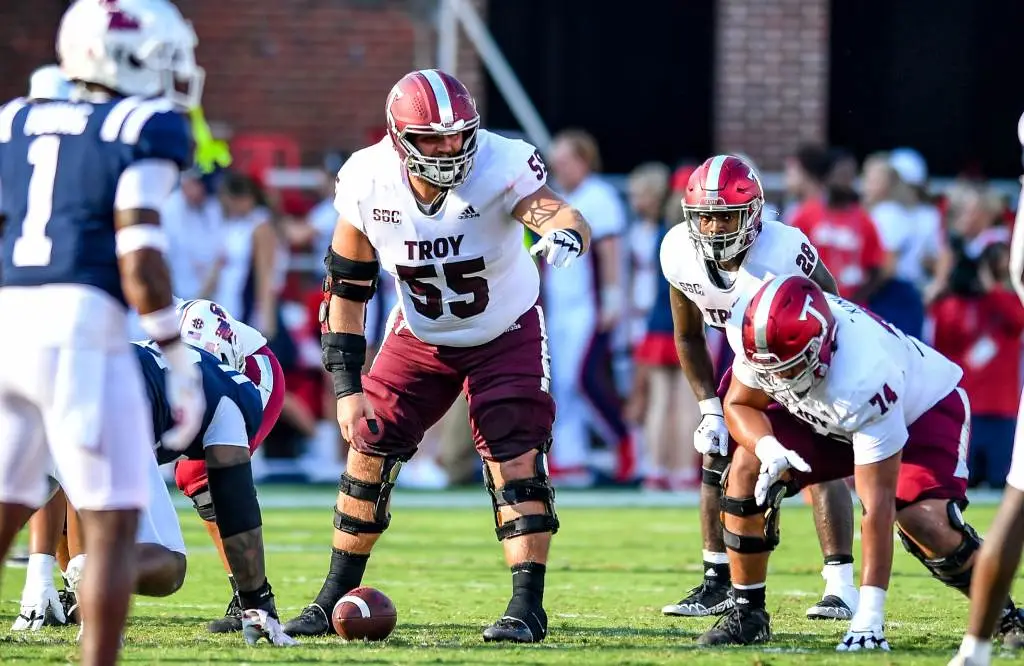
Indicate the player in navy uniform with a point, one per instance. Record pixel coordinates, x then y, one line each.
233 416
81 182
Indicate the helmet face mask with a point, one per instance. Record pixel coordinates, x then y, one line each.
724 184
432 103
788 336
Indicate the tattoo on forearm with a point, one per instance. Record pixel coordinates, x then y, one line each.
542 211
245 555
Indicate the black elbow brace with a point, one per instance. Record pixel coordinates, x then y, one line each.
340 269
234 499
344 355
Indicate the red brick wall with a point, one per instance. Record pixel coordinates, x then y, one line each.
771 88
314 69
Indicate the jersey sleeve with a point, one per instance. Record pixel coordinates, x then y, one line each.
674 253
786 250
227 428
157 132
349 188
525 171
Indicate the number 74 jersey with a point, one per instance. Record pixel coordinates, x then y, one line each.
879 383
463 275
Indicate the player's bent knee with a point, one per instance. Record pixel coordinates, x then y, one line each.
163 571
519 487
953 569
373 487
747 507
236 509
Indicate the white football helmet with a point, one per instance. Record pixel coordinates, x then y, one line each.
208 326
49 82
134 47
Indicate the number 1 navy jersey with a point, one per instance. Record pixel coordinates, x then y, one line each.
60 164
220 382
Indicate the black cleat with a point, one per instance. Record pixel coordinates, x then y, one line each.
1011 627
742 626
232 620
70 603
530 629
711 597
830 607
312 621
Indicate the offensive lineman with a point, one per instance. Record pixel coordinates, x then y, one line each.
440 202
81 184
821 389
723 251
997 562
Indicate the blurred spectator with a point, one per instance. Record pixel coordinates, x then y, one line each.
844 234
804 177
978 324
315 231
252 272
583 304
193 221
647 189
661 400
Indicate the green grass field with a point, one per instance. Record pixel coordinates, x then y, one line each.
611 571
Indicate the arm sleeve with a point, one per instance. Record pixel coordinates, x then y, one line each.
146 184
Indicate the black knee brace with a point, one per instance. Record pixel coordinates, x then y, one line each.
515 491
203 502
716 474
949 569
747 506
379 493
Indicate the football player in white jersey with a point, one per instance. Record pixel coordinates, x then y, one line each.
723 250
439 203
822 389
1000 555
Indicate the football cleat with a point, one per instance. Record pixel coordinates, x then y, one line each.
530 629
711 597
830 607
312 621
740 626
232 620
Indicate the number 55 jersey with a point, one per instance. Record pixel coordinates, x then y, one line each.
462 273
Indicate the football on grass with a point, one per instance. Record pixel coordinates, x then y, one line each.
364 613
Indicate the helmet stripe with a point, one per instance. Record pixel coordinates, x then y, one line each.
444 102
711 183
764 308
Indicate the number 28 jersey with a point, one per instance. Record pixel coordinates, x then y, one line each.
463 275
60 166
778 250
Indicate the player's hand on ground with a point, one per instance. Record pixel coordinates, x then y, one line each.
351 409
776 460
559 246
711 436
185 395
871 638
40 607
258 623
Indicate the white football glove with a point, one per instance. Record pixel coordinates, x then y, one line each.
561 245
185 395
775 461
867 639
711 435
257 624
40 607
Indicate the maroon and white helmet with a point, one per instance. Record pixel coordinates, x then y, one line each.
429 101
